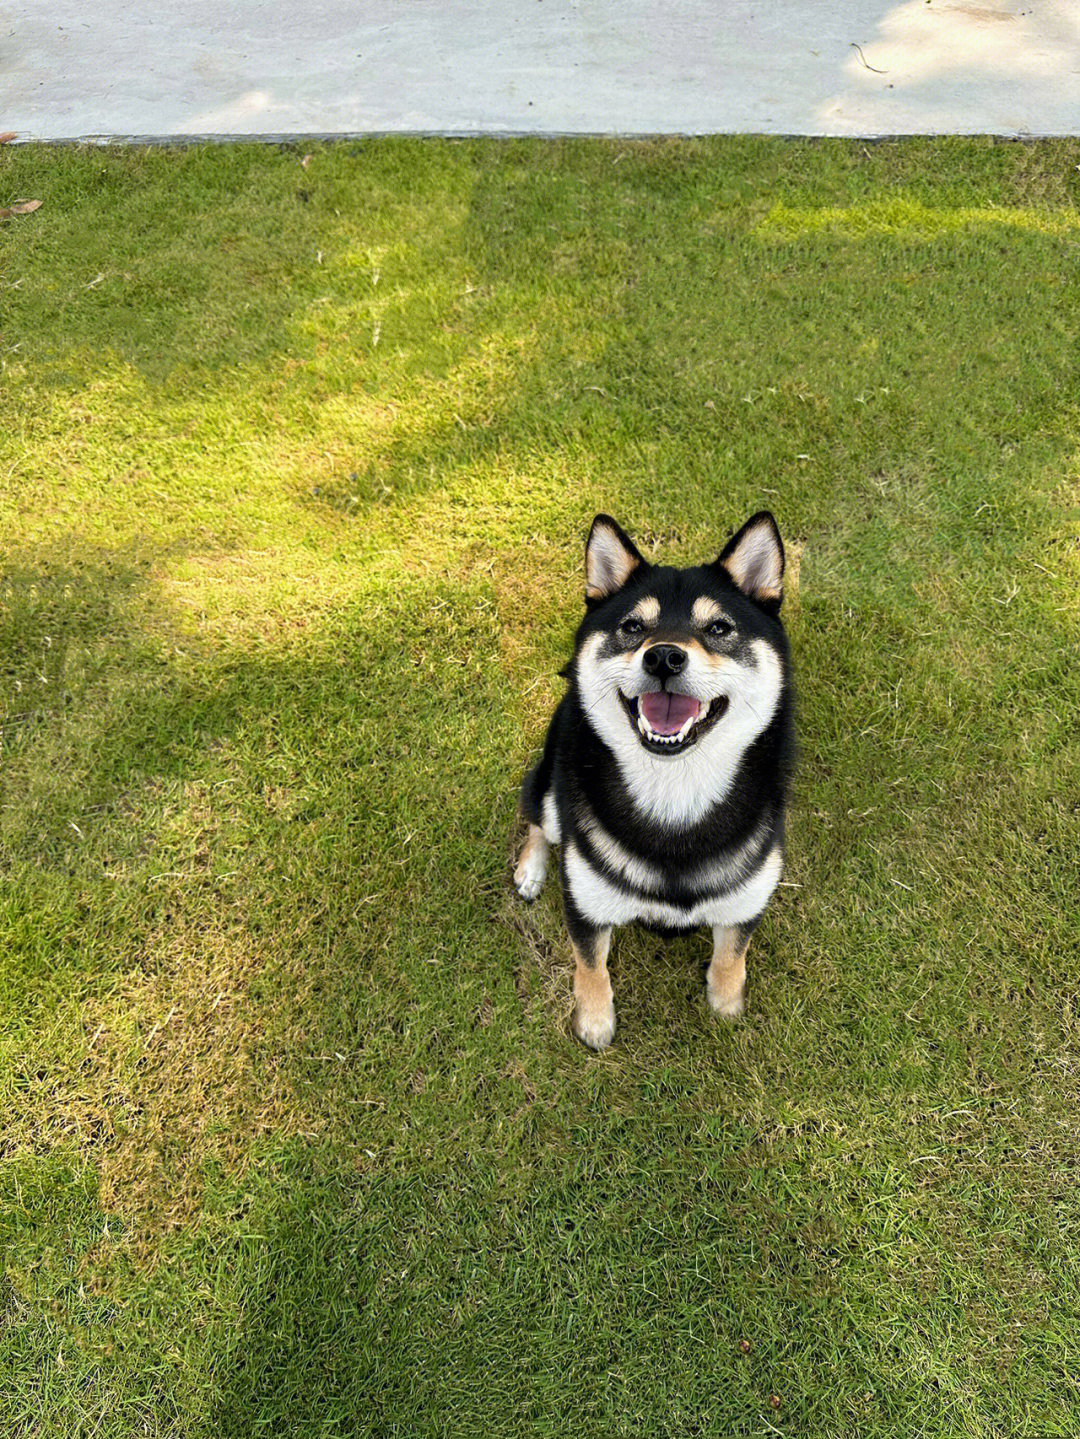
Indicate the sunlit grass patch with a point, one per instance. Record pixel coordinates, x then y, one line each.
907 218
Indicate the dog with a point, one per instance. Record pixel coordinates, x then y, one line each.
665 772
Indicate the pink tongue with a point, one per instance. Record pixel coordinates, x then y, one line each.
667 713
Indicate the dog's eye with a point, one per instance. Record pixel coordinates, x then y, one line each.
718 629
632 627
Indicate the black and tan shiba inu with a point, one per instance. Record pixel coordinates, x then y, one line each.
665 770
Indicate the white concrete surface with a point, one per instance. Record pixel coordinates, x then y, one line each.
110 68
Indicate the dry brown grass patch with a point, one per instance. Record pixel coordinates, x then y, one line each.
174 1069
552 959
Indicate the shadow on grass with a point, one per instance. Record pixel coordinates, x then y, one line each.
237 914
266 832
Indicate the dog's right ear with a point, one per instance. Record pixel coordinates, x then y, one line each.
610 559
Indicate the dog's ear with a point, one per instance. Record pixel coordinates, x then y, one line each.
754 559
610 559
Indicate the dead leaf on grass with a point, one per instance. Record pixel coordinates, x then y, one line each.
20 207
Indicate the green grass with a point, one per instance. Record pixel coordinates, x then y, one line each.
296 464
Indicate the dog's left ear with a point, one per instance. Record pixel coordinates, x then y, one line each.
611 557
754 558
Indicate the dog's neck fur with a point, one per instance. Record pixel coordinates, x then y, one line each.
676 810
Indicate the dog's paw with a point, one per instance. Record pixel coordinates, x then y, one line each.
530 874
595 1026
728 1006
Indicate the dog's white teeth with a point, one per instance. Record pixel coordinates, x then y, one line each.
646 730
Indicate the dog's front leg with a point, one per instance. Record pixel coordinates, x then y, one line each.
594 1011
725 983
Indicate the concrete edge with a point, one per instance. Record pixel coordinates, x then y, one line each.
324 137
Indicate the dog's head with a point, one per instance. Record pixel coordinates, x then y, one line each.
673 661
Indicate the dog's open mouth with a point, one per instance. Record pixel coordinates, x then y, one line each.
667 723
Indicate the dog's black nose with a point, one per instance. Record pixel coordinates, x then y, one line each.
663 661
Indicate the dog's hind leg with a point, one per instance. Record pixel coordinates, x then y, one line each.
725 982
538 808
531 869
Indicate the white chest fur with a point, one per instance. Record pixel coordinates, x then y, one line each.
603 903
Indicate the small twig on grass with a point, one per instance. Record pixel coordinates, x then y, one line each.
160 1025
866 62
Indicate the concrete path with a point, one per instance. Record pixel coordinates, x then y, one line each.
109 68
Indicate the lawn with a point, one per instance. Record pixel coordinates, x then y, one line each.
297 455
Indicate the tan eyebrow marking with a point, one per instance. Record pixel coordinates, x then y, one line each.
710 657
705 611
646 610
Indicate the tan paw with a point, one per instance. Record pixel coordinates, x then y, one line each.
730 1006
530 875
595 1026
531 868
